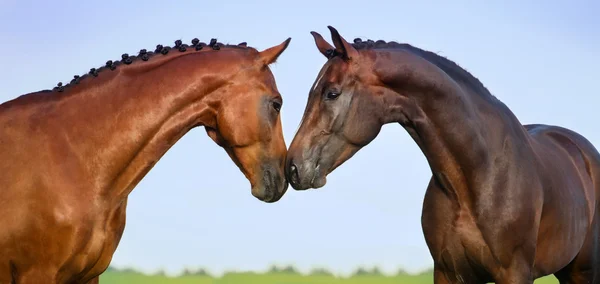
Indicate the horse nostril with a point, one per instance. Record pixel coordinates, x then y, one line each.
294 178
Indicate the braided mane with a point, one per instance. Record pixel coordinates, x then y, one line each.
448 66
144 55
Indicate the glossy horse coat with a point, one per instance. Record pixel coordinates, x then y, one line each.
506 202
71 155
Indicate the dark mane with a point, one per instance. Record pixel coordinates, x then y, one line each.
145 55
448 66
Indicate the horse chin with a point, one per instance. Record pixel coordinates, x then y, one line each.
278 195
269 194
319 178
319 182
263 194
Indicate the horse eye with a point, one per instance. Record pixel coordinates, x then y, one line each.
277 106
332 95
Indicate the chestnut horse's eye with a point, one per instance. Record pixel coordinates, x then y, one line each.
332 95
277 106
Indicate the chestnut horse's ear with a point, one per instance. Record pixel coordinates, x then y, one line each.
342 46
271 54
324 47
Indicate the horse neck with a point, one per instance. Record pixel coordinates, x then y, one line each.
460 131
123 127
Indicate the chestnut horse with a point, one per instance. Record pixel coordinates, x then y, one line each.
506 202
71 155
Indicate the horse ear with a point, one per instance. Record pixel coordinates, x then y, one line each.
323 46
271 54
342 46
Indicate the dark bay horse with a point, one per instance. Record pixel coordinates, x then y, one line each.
71 155
507 202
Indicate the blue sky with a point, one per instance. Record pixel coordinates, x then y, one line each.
194 209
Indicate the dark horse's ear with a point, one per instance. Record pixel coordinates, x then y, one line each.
342 46
271 54
324 47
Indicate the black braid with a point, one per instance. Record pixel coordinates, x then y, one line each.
213 43
144 54
330 53
60 87
75 79
111 65
126 59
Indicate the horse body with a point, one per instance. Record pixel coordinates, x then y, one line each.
506 203
72 155
59 220
500 234
503 189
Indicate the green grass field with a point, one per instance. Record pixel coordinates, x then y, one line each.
111 277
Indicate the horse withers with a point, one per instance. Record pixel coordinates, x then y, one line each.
506 202
71 155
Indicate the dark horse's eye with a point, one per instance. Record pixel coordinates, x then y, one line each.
332 95
277 106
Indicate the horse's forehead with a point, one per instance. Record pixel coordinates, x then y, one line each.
332 72
268 80
252 75
320 76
